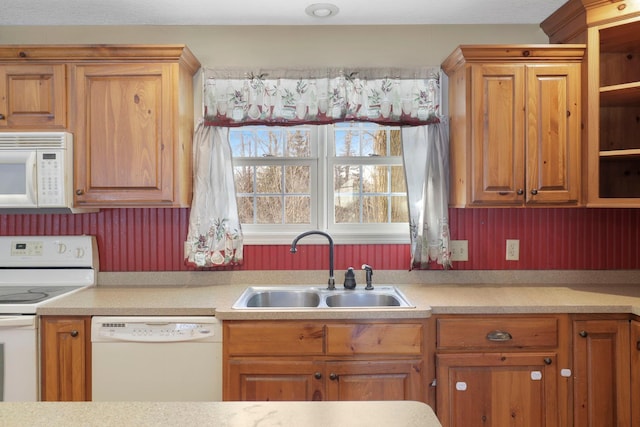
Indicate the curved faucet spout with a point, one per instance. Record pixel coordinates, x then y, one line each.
293 250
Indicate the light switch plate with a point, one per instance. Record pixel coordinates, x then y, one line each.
459 250
513 250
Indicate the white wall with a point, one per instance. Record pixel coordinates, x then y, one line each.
293 46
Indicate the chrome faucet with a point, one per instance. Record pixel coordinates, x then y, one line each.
332 281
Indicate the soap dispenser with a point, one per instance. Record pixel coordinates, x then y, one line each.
349 279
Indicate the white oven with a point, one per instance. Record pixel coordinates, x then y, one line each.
35 270
18 358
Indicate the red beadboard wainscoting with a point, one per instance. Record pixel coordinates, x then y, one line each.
550 238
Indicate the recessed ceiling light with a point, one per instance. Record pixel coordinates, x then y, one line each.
321 10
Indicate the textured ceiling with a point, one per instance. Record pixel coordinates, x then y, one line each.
275 12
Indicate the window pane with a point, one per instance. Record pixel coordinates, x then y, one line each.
243 176
347 142
298 179
269 179
245 210
298 210
399 209
398 182
346 179
375 179
375 209
396 142
347 209
299 142
269 210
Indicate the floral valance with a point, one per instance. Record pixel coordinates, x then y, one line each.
292 97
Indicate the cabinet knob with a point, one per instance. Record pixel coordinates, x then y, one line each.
499 336
1 116
547 360
318 375
638 345
74 333
534 191
79 192
520 192
583 334
333 376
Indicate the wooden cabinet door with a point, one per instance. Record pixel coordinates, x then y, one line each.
497 139
124 134
497 389
65 353
33 96
553 134
635 372
374 380
601 373
269 380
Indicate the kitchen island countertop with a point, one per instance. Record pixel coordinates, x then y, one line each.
220 414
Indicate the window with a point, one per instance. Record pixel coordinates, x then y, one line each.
346 178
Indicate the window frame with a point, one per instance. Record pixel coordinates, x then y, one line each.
322 160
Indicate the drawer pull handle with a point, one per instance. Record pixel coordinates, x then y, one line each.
499 336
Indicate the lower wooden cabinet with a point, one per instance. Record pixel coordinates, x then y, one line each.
65 353
356 360
635 372
502 370
602 384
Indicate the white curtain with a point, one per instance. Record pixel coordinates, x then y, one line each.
215 236
386 96
408 98
426 163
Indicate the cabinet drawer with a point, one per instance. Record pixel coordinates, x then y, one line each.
273 338
368 338
497 333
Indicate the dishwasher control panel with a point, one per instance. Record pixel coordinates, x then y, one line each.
155 329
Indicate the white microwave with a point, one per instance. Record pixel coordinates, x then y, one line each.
36 170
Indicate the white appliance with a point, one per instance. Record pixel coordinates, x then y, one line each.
35 270
36 170
156 358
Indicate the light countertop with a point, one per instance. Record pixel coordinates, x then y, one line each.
180 294
221 414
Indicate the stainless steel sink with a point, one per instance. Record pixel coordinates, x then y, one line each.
362 299
313 297
283 298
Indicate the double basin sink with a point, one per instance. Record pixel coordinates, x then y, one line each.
297 297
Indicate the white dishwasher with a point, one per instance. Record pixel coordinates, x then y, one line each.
136 358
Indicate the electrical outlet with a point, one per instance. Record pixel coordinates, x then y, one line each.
513 250
459 250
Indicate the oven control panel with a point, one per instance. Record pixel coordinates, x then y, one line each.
20 249
48 251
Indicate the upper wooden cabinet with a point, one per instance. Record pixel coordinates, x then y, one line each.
129 107
32 96
611 30
133 126
515 124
